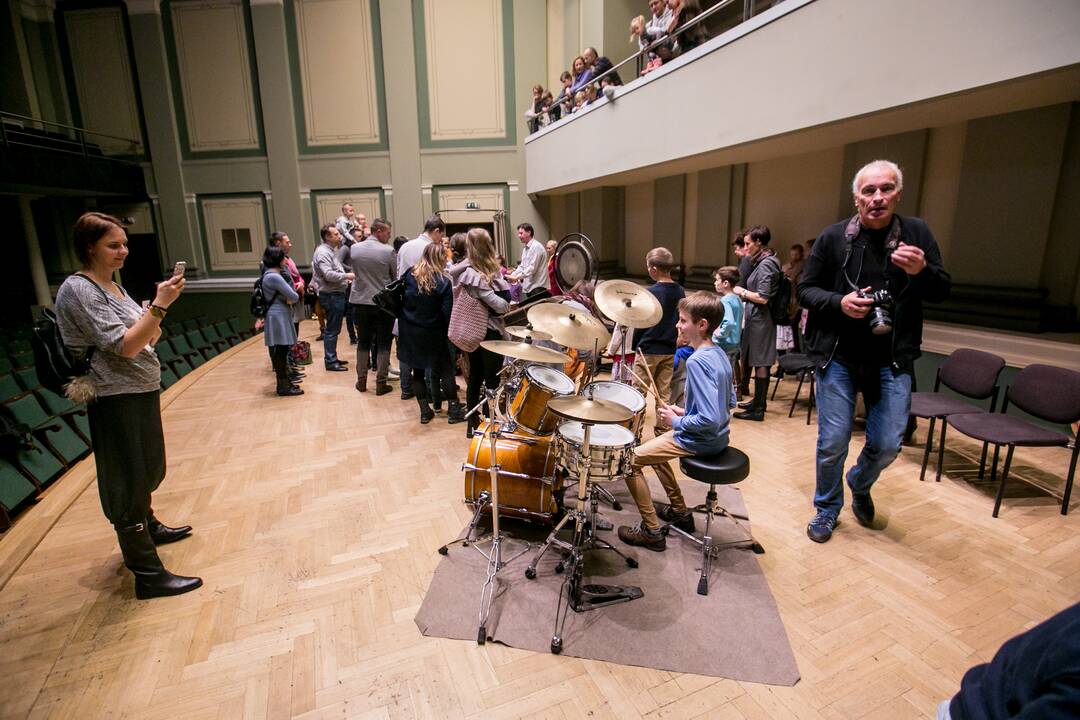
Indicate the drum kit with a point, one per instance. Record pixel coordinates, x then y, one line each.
541 433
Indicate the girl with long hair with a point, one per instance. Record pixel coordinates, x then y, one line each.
422 329
481 277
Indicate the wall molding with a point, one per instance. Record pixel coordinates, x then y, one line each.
143 7
1018 350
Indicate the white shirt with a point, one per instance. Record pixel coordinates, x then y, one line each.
533 267
410 253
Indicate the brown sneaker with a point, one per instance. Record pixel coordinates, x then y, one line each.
643 537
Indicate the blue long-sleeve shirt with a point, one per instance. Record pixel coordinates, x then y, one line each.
703 429
728 335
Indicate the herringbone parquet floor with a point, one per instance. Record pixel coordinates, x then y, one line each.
316 522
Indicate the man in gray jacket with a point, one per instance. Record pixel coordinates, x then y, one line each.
327 271
374 265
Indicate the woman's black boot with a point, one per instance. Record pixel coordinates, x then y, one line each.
162 534
426 413
151 578
756 411
455 413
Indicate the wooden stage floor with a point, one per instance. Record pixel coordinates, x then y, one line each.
316 523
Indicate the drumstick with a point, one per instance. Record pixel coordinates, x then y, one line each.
655 392
647 386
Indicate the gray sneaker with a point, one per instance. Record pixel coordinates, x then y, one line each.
821 527
643 537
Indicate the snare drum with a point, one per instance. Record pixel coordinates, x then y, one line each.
529 480
529 408
611 448
624 395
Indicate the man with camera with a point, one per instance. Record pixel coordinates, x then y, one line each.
864 284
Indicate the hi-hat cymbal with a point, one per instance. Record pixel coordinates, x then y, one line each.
525 332
569 326
524 351
582 409
628 303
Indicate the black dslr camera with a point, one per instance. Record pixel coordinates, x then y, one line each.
880 319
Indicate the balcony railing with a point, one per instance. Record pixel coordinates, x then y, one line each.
19 131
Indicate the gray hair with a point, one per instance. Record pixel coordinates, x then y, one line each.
878 165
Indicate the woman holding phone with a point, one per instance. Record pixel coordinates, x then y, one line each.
92 311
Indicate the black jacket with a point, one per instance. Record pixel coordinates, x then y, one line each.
823 285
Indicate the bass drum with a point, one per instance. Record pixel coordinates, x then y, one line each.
530 484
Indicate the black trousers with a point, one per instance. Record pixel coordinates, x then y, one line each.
484 367
129 453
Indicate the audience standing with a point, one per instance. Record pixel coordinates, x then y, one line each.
375 266
531 272
655 346
481 277
327 269
279 334
422 330
409 254
759 332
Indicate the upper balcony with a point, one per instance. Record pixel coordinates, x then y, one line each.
808 74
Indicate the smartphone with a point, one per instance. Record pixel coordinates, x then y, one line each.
178 268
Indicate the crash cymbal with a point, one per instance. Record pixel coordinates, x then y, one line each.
569 326
524 351
628 303
582 409
525 332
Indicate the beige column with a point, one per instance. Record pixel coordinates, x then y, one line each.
33 252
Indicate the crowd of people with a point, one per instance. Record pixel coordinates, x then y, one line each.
355 262
590 73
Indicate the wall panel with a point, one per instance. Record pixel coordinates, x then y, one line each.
214 71
235 232
339 65
104 86
465 95
326 205
795 196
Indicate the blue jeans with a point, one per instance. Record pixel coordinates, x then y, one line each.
334 305
885 423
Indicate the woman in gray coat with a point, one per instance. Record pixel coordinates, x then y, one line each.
278 330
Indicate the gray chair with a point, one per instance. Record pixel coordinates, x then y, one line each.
971 373
1045 392
801 366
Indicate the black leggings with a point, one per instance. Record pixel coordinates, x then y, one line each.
444 372
484 367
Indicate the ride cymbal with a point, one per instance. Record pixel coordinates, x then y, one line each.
628 303
569 325
524 351
582 409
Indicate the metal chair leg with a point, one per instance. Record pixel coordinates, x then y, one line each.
813 397
1069 480
982 460
926 452
795 399
1004 477
941 447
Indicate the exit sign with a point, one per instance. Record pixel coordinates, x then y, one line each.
472 205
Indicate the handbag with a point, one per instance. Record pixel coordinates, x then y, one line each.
391 298
468 321
300 353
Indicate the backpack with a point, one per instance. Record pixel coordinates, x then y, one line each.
779 303
259 303
56 366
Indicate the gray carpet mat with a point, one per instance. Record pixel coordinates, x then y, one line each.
733 632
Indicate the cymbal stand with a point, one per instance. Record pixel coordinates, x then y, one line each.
573 594
494 555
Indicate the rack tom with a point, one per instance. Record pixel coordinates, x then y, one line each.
539 385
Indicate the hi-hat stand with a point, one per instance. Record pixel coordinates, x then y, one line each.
574 594
494 555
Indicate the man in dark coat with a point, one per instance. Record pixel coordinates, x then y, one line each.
864 284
